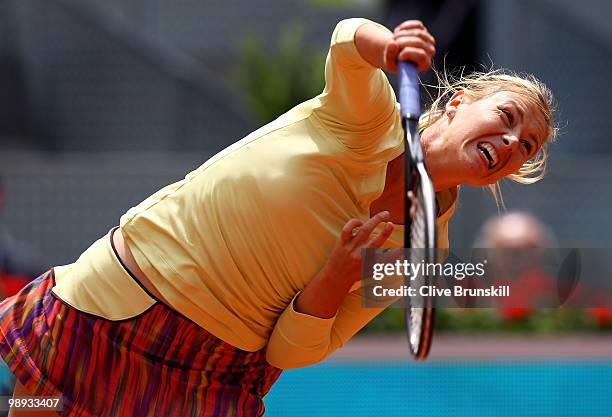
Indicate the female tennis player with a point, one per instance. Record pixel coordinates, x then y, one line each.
214 284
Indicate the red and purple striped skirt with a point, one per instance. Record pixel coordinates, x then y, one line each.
156 364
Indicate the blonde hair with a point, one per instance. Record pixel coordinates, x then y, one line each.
477 85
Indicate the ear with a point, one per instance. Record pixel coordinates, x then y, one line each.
454 102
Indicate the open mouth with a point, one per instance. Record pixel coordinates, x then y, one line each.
489 153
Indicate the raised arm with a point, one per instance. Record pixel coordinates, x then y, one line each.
358 104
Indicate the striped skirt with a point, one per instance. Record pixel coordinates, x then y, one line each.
156 364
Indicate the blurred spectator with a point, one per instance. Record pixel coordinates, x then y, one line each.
19 263
518 233
516 230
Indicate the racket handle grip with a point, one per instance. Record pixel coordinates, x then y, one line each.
410 102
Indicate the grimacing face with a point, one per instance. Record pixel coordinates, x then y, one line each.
492 137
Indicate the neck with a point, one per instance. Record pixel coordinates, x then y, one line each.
436 158
391 197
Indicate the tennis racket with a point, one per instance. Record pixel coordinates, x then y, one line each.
420 220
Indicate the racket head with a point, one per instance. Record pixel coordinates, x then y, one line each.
420 237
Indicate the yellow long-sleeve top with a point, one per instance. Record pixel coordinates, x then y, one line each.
232 244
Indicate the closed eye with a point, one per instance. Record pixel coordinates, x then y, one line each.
509 116
528 146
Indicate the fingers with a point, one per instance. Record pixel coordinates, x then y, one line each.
382 237
413 204
391 56
415 44
366 230
347 231
418 56
421 34
410 24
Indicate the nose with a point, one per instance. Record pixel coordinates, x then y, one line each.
511 142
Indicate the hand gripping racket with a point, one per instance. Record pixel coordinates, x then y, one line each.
420 220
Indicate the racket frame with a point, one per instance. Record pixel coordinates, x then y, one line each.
416 175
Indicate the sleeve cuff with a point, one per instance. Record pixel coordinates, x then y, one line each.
303 330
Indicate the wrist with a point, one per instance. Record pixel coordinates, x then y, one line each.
324 294
371 41
338 278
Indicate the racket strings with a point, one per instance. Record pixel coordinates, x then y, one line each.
418 241
418 238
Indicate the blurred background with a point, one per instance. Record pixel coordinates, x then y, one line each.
102 103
